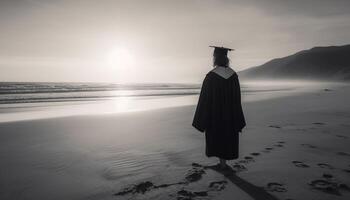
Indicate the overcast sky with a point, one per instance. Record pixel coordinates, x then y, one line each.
157 41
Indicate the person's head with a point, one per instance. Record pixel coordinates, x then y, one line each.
221 60
220 56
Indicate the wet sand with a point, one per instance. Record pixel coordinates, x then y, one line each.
294 147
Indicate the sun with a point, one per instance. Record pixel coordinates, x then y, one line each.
120 58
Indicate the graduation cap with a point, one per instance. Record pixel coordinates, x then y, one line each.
221 50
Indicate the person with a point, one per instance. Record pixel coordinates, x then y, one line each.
219 111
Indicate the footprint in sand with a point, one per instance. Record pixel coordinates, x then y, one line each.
342 136
309 145
267 149
274 126
279 144
318 123
275 187
255 154
325 166
327 176
139 188
186 194
217 185
343 154
328 186
239 167
195 174
144 187
300 164
347 170
247 159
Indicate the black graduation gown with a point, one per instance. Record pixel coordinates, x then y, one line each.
219 114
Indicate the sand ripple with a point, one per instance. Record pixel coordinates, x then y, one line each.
121 164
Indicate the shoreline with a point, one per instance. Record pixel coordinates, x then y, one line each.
96 156
42 110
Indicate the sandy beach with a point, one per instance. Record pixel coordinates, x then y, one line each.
124 100
294 147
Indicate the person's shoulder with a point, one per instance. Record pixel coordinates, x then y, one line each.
207 77
223 72
209 73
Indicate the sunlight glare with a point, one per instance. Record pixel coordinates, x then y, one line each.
119 58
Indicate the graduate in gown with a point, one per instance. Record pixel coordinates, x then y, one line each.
219 111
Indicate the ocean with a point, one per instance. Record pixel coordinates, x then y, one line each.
37 100
11 92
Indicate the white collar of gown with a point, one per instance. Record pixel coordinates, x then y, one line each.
224 72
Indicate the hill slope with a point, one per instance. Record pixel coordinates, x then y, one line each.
324 63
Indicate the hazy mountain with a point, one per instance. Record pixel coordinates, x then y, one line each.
325 63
